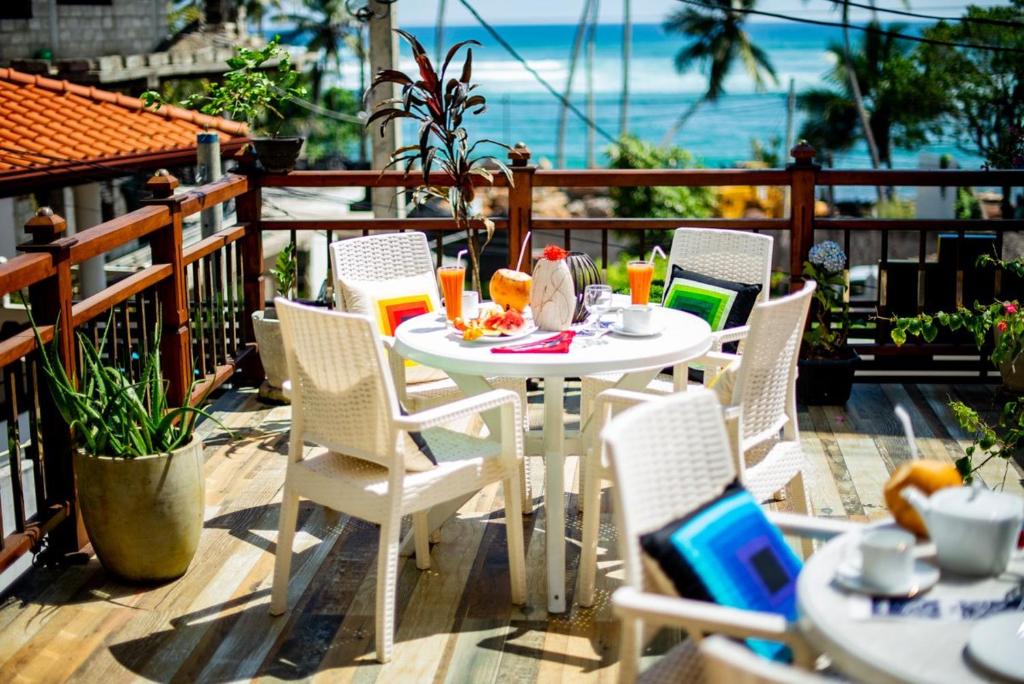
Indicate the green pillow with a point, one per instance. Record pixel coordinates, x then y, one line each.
722 303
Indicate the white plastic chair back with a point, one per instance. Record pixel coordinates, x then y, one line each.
342 394
668 456
765 389
730 662
380 257
735 255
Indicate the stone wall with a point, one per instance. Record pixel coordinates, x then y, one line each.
123 27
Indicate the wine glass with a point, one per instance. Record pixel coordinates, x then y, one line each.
597 300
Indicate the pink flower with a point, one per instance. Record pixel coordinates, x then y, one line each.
1001 326
1010 308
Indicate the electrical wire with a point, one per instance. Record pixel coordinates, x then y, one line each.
932 17
855 27
533 72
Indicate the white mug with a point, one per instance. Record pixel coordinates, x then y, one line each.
637 319
470 305
887 559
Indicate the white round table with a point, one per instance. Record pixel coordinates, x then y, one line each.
893 650
426 339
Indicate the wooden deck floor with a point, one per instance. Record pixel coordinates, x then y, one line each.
455 621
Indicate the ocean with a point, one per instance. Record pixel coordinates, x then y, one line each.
718 135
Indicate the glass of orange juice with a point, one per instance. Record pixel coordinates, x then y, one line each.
452 279
640 275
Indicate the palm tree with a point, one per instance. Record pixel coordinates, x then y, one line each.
902 105
563 114
855 91
718 38
327 24
256 10
627 55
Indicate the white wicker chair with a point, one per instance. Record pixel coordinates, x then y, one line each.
734 255
668 456
763 404
344 402
399 255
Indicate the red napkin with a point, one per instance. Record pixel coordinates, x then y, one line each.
556 344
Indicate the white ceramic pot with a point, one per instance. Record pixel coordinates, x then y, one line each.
553 299
271 347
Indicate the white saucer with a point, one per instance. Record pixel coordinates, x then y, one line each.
997 644
526 330
619 330
925 576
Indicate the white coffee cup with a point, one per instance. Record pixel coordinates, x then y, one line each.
470 304
638 319
887 559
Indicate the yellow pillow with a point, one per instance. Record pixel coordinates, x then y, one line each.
724 383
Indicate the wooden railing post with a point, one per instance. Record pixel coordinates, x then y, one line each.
249 207
803 179
520 204
50 302
167 247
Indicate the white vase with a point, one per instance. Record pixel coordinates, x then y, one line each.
553 299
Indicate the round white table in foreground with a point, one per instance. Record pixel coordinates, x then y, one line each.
426 339
893 650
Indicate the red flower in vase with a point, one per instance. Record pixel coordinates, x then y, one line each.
555 253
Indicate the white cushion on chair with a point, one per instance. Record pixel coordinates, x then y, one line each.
367 297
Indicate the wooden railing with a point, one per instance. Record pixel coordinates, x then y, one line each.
204 294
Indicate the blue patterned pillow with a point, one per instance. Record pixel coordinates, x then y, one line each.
729 553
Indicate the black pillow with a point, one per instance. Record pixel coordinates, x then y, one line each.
681 296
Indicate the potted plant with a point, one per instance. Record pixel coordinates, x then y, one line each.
138 463
439 105
254 92
267 328
827 363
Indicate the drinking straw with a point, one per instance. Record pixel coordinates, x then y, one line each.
522 250
908 430
656 250
458 258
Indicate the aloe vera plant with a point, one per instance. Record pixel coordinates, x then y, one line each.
108 412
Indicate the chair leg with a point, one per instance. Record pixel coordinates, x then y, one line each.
283 553
591 526
630 647
525 488
514 534
802 504
421 535
387 581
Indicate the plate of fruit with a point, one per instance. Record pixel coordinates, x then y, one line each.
493 325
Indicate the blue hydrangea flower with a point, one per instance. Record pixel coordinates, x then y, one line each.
828 255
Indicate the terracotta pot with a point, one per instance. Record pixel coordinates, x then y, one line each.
584 272
143 515
553 299
277 155
826 382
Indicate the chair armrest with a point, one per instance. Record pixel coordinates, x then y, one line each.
462 408
808 526
729 335
702 616
620 398
717 359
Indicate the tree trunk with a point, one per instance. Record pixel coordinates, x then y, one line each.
670 134
591 112
858 98
563 114
627 54
439 33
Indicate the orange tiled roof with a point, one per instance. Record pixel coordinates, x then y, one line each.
46 124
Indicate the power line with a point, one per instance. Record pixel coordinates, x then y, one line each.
934 17
855 27
533 72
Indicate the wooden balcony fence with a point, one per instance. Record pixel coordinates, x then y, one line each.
204 294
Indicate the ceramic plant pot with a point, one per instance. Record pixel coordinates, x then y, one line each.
277 155
143 515
826 382
553 299
270 344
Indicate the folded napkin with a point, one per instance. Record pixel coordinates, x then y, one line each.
556 344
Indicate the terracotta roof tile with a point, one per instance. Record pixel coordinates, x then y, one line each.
46 122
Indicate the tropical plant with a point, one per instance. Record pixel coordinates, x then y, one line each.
984 88
1002 323
111 414
285 271
830 327
904 105
655 202
325 27
439 105
718 38
251 91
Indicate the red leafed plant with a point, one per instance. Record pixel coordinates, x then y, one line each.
439 104
555 253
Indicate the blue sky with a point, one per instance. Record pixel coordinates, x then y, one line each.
424 12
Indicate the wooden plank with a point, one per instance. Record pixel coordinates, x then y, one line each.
820 483
836 463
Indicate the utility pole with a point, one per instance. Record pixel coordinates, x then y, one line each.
563 113
384 55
